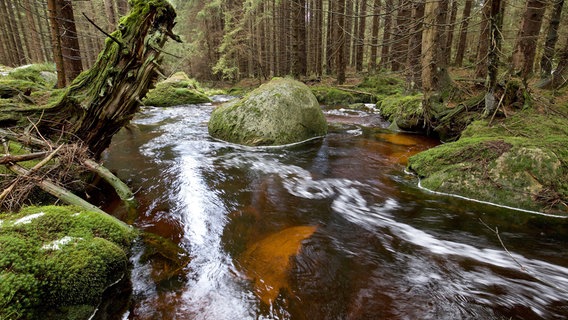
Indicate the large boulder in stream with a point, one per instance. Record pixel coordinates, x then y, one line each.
56 262
176 90
279 112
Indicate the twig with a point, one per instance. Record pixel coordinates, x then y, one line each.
496 231
120 44
23 157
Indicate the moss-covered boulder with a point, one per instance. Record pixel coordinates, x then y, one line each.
279 112
55 262
176 90
521 161
404 112
332 96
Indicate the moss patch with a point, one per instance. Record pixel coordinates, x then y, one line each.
57 261
403 111
332 96
179 89
521 161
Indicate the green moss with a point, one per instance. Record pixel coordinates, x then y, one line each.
33 73
383 85
332 96
405 111
59 259
521 161
179 89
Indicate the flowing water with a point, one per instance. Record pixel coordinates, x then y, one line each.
329 229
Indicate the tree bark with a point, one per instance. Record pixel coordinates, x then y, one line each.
450 31
527 38
551 39
110 11
375 35
56 43
69 40
495 26
361 35
415 47
399 50
385 50
462 44
484 38
339 36
299 51
35 45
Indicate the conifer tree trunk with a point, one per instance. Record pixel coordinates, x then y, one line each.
14 45
331 50
385 50
35 43
56 43
110 14
340 39
399 51
319 29
495 26
375 35
450 31
361 35
527 38
415 47
484 38
299 24
551 39
462 44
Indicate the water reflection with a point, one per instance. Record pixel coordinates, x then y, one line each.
383 249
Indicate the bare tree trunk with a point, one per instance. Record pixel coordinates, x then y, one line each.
375 35
462 45
450 31
339 36
15 47
56 43
525 47
551 39
110 11
319 47
399 51
429 43
414 65
385 50
495 26
330 44
122 6
35 44
484 38
299 42
67 33
361 35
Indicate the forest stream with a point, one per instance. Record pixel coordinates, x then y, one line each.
332 228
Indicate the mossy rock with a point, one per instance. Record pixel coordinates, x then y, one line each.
405 112
55 262
40 74
282 111
519 162
178 89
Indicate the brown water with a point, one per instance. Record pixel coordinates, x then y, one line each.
329 229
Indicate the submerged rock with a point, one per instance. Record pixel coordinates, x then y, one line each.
56 262
176 90
268 261
279 112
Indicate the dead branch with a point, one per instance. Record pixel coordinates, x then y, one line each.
22 157
523 268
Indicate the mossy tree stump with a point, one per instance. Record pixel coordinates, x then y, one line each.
104 98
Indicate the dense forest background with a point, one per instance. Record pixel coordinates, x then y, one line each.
310 39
